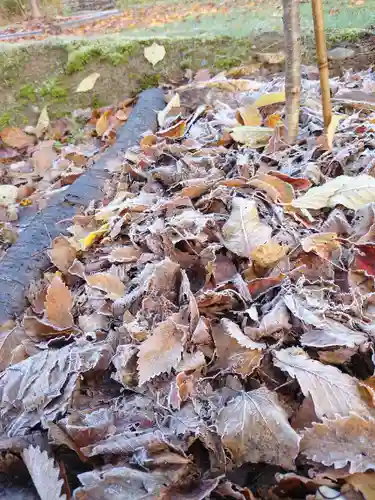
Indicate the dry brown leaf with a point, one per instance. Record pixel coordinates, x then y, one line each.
231 357
44 157
347 440
278 190
364 483
268 254
11 337
44 473
162 350
323 244
58 305
333 392
243 231
255 428
107 282
62 253
352 192
124 254
43 123
16 138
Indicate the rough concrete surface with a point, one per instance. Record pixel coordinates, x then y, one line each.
25 261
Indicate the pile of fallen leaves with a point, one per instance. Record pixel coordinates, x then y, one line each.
207 331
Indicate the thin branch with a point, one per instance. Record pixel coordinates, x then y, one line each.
321 55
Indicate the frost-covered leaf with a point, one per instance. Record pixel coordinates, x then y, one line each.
162 350
120 483
108 283
124 254
254 137
243 231
88 83
255 428
62 253
230 328
8 194
16 138
352 192
327 332
154 53
126 443
58 305
333 392
11 337
44 473
341 441
43 384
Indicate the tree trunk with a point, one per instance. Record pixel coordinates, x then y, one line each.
292 34
35 9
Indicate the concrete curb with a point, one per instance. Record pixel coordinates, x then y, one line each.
25 261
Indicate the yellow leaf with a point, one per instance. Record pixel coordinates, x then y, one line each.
88 83
102 124
268 254
267 99
249 115
335 120
254 137
43 123
89 240
154 53
26 202
323 244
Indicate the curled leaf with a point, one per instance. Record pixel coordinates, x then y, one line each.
108 283
252 136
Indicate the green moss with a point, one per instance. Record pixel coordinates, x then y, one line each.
6 119
347 35
226 63
28 92
148 81
54 91
115 52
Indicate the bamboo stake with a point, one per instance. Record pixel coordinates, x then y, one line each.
321 55
292 34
